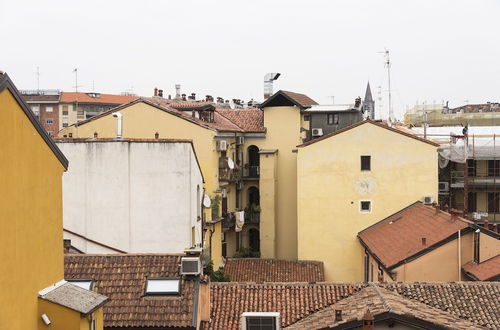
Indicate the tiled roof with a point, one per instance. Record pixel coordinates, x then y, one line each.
250 120
485 271
75 298
476 302
401 235
293 301
122 278
285 97
70 97
473 301
377 123
381 301
273 270
302 99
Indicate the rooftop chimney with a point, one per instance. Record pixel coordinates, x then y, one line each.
177 91
268 84
169 96
157 135
118 117
156 92
424 241
160 92
368 320
67 245
183 97
193 96
338 315
357 102
95 135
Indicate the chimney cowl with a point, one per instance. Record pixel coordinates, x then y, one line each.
160 92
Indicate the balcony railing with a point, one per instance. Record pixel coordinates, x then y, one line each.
251 172
480 179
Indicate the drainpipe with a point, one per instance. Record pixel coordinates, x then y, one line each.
459 255
119 119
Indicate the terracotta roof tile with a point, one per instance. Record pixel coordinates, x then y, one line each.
250 120
70 97
302 99
293 301
400 235
273 270
122 278
380 301
485 271
476 302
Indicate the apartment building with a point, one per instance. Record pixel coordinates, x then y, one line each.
45 106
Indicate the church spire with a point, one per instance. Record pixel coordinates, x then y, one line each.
368 103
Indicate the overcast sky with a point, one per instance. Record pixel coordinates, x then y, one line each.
440 49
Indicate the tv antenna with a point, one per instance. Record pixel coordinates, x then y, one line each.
333 98
387 65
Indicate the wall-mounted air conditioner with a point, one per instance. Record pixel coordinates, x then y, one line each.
317 132
240 140
222 145
190 266
428 200
444 187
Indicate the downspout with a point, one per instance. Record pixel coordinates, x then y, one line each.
459 255
118 117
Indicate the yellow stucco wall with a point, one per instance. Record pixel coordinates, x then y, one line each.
331 186
283 133
488 247
31 254
63 318
141 120
439 265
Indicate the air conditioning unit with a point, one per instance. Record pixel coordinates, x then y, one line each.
444 187
428 200
190 266
222 145
240 140
317 132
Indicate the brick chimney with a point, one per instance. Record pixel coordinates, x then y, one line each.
67 245
183 96
95 135
157 135
155 92
368 320
424 241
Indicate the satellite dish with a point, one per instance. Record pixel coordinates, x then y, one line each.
206 201
230 163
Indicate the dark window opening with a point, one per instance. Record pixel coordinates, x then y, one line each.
365 163
493 167
471 167
365 206
307 117
471 202
493 202
332 119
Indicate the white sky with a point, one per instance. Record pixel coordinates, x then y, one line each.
440 49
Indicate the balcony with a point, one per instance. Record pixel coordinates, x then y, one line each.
251 172
227 175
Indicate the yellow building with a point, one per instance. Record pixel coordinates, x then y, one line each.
349 180
217 140
421 243
31 252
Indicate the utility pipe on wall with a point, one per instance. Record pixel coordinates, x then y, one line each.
118 117
459 256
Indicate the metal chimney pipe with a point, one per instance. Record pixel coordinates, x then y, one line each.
118 117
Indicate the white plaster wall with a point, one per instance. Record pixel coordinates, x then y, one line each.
129 195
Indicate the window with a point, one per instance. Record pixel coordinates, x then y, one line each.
261 321
332 119
35 109
163 286
493 167
307 117
471 167
86 284
48 109
366 163
493 202
365 206
49 121
471 202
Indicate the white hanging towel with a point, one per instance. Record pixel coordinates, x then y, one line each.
240 221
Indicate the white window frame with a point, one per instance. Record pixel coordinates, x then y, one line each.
74 281
365 211
244 316
163 293
49 108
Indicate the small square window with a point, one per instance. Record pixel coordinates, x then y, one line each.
48 109
307 117
365 163
163 286
365 206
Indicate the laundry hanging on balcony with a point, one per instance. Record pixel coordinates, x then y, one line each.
240 221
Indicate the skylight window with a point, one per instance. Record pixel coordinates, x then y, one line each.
84 284
163 286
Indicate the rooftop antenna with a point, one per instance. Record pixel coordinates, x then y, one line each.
268 84
387 64
333 98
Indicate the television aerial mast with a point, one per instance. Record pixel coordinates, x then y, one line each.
387 65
